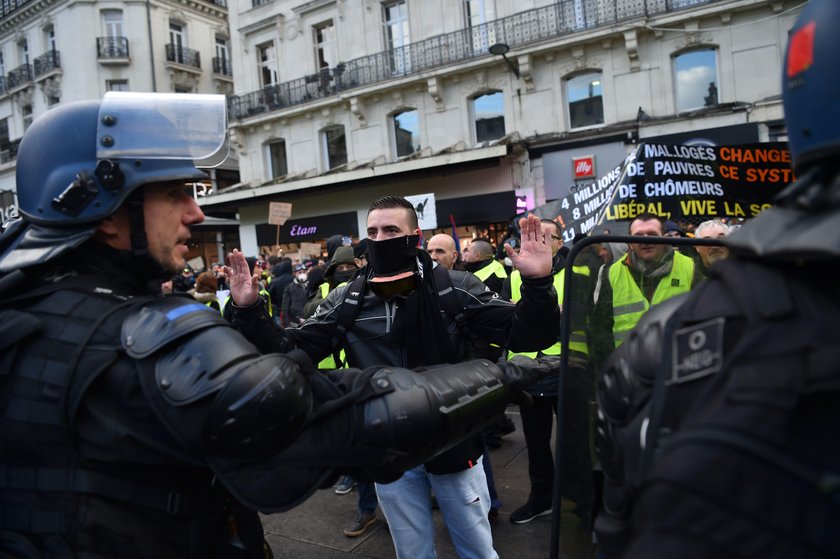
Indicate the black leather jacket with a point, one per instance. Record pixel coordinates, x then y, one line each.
529 325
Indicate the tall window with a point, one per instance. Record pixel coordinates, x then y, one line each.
397 35
116 85
695 77
478 14
23 52
112 23
334 147
178 40
222 48
586 100
266 58
5 143
2 65
325 47
26 111
406 132
221 65
489 112
277 159
49 38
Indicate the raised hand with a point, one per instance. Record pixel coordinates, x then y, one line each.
534 258
244 287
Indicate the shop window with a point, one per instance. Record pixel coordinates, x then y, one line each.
278 166
585 96
696 79
406 132
489 113
334 147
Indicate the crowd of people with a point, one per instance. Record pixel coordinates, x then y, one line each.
616 283
137 425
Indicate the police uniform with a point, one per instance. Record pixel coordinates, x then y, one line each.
718 415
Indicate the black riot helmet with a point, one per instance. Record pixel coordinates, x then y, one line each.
78 163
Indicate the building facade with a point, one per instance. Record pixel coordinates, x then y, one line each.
338 102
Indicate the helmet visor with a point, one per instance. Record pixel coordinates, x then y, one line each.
163 126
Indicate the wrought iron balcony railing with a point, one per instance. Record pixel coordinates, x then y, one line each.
47 62
112 47
561 18
222 66
19 76
9 151
183 55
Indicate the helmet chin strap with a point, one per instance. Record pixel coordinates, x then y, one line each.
151 268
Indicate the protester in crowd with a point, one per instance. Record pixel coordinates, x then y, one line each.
648 274
441 248
479 259
720 411
205 290
708 255
281 277
402 281
538 415
294 298
157 430
183 281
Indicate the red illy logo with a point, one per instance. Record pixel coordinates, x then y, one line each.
584 166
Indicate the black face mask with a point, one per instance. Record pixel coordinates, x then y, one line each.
393 256
341 277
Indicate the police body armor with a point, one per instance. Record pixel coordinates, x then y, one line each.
717 421
128 422
49 476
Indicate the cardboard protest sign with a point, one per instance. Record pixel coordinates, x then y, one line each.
677 182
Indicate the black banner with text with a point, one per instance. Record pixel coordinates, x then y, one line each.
677 182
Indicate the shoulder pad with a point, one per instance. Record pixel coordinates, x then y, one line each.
154 325
16 326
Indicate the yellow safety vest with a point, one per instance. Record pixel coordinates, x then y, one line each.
328 362
495 268
577 339
629 303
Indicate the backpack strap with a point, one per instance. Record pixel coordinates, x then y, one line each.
447 299
349 310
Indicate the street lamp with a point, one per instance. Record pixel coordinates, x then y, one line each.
502 49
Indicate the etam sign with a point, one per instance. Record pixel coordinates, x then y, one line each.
583 167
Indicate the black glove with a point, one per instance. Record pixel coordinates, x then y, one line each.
521 372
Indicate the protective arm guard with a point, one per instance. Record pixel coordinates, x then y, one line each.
213 390
274 429
414 416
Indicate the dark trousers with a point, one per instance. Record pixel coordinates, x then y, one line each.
367 498
576 462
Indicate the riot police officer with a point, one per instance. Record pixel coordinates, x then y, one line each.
135 425
719 419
